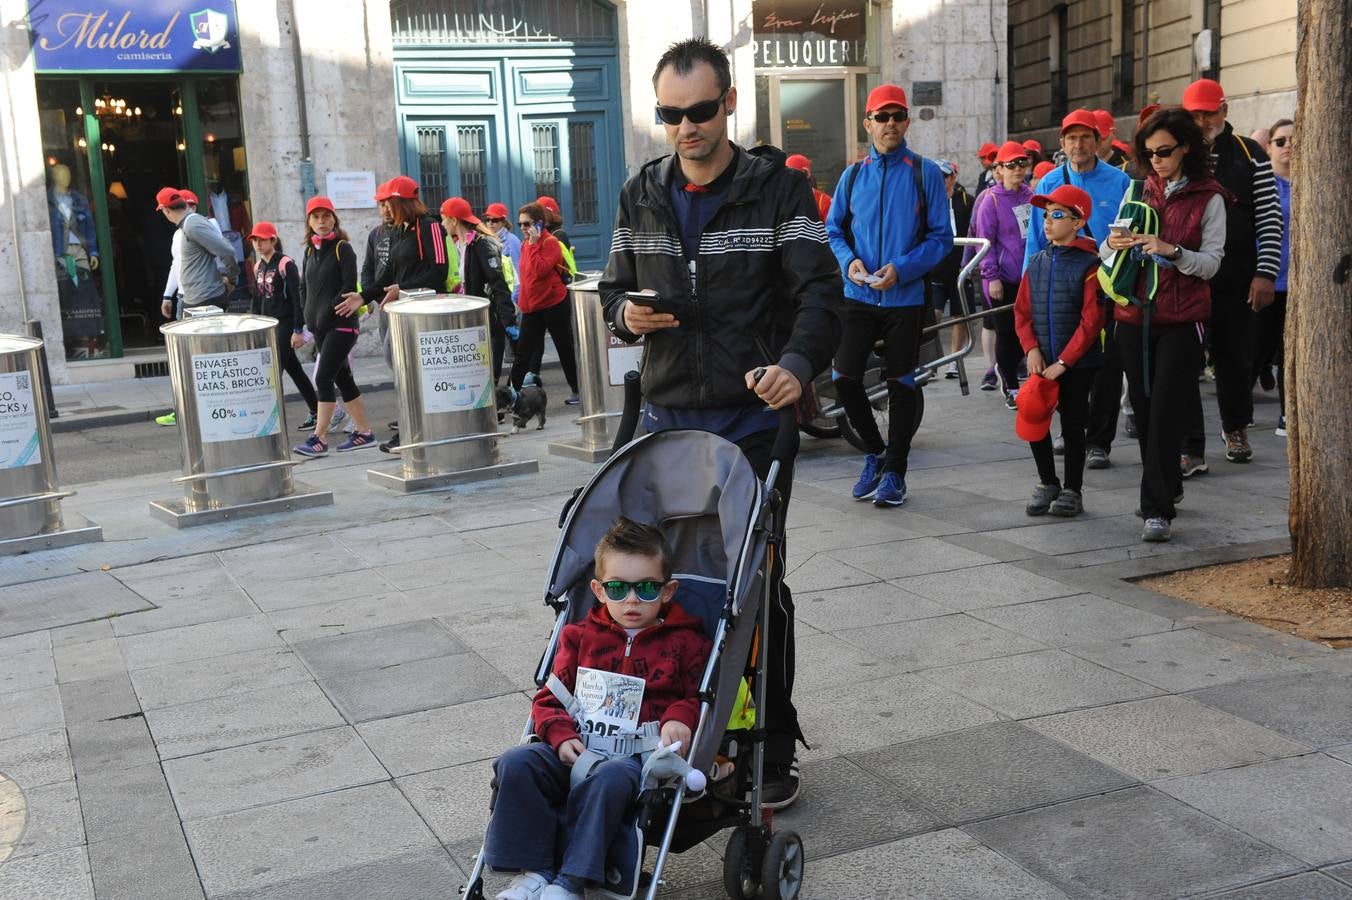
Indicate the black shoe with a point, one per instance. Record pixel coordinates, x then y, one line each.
393 426
1097 458
780 785
1266 379
308 424
392 445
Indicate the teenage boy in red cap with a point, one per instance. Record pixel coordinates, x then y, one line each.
1244 284
987 157
889 226
1058 315
801 163
1111 150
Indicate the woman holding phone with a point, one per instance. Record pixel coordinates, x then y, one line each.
544 299
1160 343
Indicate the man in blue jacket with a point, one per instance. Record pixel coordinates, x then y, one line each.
888 226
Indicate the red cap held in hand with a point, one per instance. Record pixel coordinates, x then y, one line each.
1036 402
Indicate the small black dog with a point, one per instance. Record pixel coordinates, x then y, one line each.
524 405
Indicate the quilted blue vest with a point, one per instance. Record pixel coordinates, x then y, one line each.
1056 288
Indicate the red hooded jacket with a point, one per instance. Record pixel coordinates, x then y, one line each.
669 655
540 279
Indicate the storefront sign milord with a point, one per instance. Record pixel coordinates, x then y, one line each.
803 33
134 35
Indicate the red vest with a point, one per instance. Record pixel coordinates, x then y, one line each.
1180 298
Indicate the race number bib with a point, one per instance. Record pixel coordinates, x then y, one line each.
1022 214
610 701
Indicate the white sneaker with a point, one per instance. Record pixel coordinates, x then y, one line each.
526 886
339 417
951 371
554 892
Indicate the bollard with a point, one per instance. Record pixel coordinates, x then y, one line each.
448 420
231 422
602 361
30 497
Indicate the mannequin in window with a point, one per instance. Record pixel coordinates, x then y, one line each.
75 246
218 204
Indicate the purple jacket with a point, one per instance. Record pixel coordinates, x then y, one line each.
994 219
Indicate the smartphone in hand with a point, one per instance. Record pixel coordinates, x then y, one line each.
654 301
1121 227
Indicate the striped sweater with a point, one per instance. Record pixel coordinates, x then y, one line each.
1254 225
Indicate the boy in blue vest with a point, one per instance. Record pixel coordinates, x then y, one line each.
1058 315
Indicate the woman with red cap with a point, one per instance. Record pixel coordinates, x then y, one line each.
276 293
1001 216
802 164
328 280
554 222
480 259
987 177
496 218
544 297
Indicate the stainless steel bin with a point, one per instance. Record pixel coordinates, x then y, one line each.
30 496
231 422
448 425
602 361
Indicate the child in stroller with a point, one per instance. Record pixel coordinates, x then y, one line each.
562 801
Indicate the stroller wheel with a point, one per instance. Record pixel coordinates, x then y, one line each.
741 863
782 871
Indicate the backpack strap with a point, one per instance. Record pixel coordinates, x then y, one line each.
922 224
1243 146
847 221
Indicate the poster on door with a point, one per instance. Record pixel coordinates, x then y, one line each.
237 396
456 369
18 422
622 358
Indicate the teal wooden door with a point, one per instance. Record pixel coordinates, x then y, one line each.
568 158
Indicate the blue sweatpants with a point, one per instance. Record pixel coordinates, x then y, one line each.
539 824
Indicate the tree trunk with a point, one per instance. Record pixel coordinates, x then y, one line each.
1319 316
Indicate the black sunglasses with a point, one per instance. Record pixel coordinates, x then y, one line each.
1283 141
1162 152
882 118
698 114
1020 163
646 590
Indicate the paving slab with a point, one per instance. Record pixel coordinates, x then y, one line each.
821 572
109 745
24 712
1160 737
1130 843
1302 805
145 861
53 820
843 807
989 771
448 568
1074 620
985 586
408 876
1341 872
32 760
302 589
301 839
920 556
439 738
99 699
485 628
185 591
288 768
1312 709
63 875
91 659
217 676
518 662
278 558
938 641
26 670
1035 684
38 605
454 804
942 865
344 616
880 713
111 800
825 661
377 647
222 638
1310 886
414 686
862 606
1186 659
238 719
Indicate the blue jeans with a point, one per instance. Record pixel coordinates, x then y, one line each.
539 824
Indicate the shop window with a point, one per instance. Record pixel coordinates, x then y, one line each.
225 168
472 155
72 209
545 153
432 164
582 156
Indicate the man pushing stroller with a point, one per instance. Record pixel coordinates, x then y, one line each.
564 801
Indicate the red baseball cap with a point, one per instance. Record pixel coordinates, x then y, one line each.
548 203
458 208
1036 401
188 195
1042 168
885 95
1081 117
319 203
170 198
400 186
1032 146
263 230
496 211
987 150
1203 95
1011 150
1146 112
800 162
1069 196
1106 122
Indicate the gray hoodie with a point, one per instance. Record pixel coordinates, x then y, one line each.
199 279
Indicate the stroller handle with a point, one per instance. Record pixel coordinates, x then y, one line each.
633 405
786 438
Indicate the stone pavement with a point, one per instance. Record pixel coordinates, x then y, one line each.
305 705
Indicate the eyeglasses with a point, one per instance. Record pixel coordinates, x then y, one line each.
1059 214
646 591
1015 164
698 114
493 219
1161 152
882 118
1283 141
526 224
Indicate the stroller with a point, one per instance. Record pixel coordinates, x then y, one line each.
724 526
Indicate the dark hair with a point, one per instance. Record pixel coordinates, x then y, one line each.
1178 122
1280 123
406 210
683 55
628 536
536 212
310 232
277 241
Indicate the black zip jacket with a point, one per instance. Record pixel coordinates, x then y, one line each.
483 278
276 291
330 272
766 290
377 256
417 260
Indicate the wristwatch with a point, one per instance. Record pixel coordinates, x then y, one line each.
1178 252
